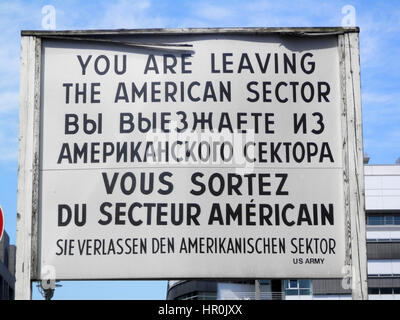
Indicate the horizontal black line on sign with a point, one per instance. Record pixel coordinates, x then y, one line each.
190 167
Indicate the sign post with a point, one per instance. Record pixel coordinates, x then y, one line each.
201 153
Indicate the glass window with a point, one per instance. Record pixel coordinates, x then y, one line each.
305 292
304 284
292 292
388 219
379 220
198 296
373 290
298 287
383 219
386 290
293 284
374 220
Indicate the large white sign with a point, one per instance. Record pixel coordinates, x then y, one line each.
220 159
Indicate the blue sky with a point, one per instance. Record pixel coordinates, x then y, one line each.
380 65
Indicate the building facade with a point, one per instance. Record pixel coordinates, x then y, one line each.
7 268
382 202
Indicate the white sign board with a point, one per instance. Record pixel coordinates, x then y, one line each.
223 158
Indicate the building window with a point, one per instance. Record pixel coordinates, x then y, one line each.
298 287
198 296
383 240
293 284
383 219
380 291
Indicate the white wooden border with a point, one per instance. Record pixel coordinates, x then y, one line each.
28 167
356 251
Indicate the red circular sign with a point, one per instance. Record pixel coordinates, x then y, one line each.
1 223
